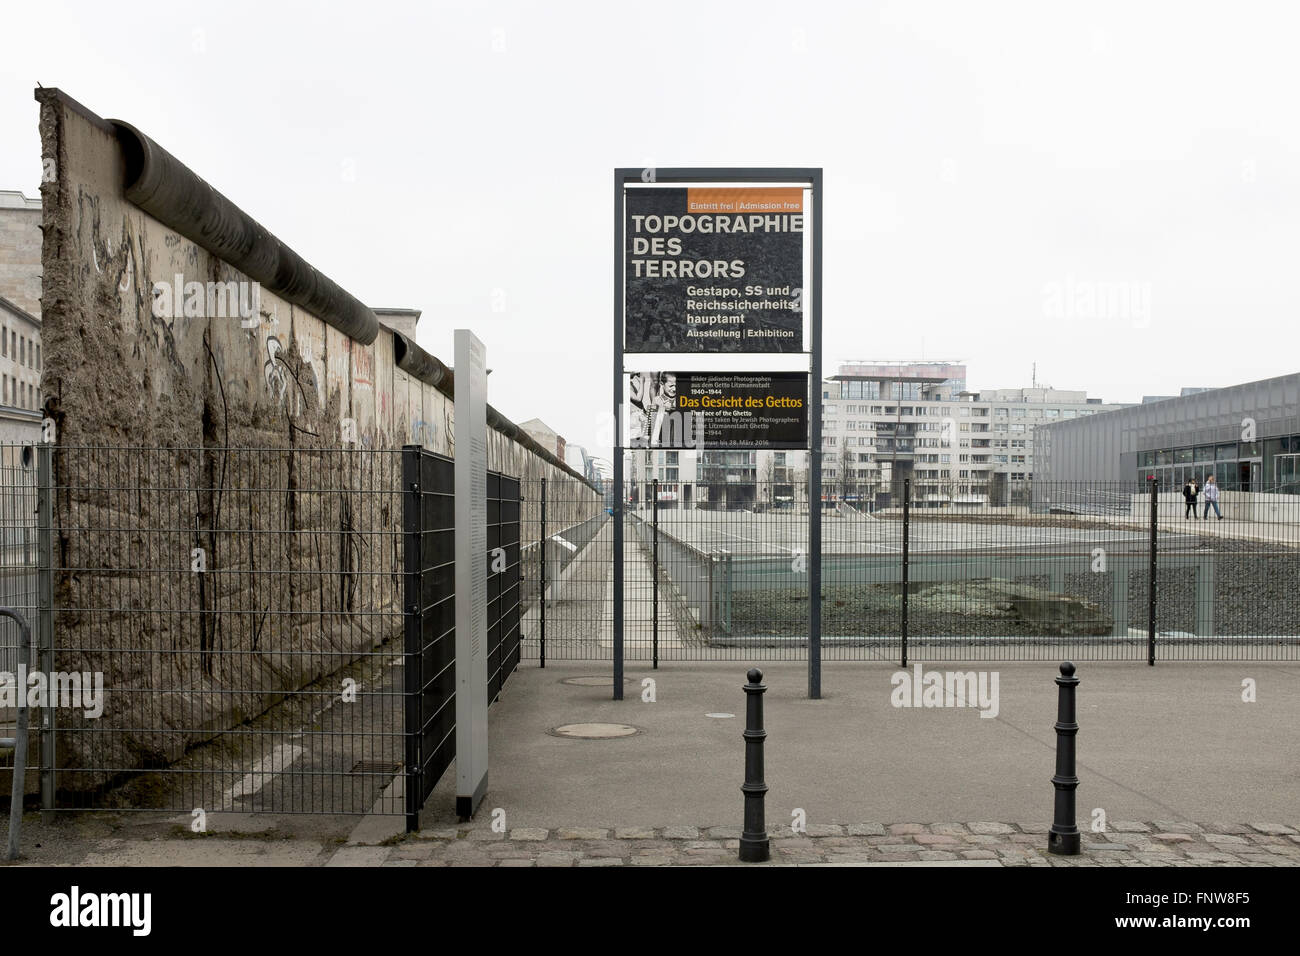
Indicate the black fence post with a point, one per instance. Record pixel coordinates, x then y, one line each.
1063 838
1151 577
907 515
413 632
541 593
754 846
654 576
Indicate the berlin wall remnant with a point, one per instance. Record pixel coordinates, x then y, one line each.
121 372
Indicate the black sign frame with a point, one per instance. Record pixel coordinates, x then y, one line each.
807 177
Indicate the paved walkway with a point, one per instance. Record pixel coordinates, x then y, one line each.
1158 843
264 840
638 603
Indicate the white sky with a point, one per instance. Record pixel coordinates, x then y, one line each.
980 160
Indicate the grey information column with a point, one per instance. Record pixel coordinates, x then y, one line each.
471 573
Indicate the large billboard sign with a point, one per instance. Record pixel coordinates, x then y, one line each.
718 410
714 269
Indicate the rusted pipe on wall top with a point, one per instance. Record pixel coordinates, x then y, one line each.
419 364
164 187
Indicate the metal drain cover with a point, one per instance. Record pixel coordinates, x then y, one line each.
593 731
595 681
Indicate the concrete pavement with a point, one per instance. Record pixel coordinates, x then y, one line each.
1210 777
1173 742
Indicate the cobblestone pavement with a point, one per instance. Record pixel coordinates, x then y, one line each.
1157 843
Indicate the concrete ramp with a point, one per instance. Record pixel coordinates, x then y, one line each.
846 510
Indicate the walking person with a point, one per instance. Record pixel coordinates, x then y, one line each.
1189 496
1211 498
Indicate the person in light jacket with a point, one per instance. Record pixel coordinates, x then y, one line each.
1211 498
1189 495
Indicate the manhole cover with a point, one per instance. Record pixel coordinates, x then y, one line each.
593 731
720 716
595 681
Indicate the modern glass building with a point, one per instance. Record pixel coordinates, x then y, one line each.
1247 436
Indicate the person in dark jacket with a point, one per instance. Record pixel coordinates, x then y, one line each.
1189 496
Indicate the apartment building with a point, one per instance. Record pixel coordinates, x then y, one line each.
21 359
885 423
882 424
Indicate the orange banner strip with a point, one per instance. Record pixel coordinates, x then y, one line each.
759 199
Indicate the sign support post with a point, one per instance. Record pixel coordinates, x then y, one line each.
815 453
471 573
620 497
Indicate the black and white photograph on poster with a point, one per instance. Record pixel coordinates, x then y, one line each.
754 410
654 421
714 269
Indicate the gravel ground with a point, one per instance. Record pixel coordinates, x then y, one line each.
1255 594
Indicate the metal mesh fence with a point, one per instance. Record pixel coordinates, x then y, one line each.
567 553
1042 571
242 610
18 590
18 545
223 627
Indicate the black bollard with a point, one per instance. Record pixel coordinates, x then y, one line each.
753 840
1063 838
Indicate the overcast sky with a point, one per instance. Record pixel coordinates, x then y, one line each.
1110 190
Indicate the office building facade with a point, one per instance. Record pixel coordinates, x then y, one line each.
1247 436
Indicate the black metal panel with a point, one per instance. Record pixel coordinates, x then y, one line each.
504 581
428 525
429 532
